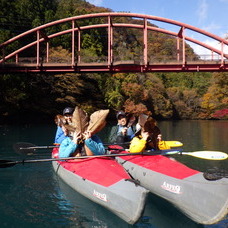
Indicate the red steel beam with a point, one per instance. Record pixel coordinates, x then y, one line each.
118 25
104 67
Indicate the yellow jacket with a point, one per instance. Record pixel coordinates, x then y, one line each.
137 145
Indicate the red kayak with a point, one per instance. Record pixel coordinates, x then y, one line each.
104 181
202 200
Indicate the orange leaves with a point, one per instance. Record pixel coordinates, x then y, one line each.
131 107
134 91
208 101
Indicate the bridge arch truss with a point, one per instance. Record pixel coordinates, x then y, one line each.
41 62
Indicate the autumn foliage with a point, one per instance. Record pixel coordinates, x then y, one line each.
199 95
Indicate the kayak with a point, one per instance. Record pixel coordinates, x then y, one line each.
204 201
105 182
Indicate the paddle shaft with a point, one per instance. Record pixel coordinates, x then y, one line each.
28 148
38 147
211 155
55 146
8 163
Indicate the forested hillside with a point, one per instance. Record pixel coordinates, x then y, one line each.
39 97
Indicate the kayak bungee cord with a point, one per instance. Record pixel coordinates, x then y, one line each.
215 174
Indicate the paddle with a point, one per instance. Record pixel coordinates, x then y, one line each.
9 163
29 148
123 143
26 148
212 155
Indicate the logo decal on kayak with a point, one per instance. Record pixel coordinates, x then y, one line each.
100 196
171 188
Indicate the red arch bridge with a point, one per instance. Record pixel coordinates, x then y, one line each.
39 42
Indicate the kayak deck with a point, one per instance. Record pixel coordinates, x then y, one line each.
110 171
163 165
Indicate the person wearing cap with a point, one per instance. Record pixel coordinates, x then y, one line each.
121 133
67 113
83 140
66 118
146 137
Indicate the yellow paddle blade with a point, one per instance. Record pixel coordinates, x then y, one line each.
164 145
210 155
174 143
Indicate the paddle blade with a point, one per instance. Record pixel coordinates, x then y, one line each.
24 148
6 163
174 143
97 121
80 120
210 155
169 144
131 120
142 119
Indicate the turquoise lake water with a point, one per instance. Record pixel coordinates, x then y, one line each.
33 196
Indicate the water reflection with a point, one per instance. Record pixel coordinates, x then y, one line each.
197 135
157 213
89 213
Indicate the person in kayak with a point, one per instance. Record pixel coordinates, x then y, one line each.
83 130
61 121
124 130
85 143
146 137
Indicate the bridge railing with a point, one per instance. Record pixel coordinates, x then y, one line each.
138 60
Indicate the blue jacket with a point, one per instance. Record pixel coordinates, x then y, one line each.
68 147
59 136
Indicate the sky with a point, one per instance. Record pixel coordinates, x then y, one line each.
209 15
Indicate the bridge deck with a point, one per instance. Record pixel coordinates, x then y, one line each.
119 66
